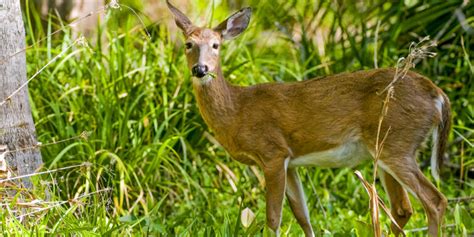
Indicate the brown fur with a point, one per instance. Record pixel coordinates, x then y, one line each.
270 124
318 114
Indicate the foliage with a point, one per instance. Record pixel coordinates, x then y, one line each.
149 144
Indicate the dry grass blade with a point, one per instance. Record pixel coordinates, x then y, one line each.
417 51
375 199
229 175
389 214
85 164
372 192
76 200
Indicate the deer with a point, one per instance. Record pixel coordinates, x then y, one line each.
327 122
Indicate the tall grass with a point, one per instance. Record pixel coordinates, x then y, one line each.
148 143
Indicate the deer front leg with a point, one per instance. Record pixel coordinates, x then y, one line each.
296 198
275 178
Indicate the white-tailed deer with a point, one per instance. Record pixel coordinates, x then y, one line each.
326 122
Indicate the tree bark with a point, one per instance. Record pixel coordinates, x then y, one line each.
17 129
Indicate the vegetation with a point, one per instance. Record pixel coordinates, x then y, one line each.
148 164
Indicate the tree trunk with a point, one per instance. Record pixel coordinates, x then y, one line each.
17 130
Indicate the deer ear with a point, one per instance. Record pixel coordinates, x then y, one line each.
235 24
182 21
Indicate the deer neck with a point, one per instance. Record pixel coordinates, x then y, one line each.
216 99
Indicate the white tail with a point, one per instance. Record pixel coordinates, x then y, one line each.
326 122
434 155
440 134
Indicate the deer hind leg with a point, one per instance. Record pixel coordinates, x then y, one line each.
400 205
406 172
296 199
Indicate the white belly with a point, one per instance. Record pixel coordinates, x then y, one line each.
347 155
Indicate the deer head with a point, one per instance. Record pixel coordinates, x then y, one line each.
203 44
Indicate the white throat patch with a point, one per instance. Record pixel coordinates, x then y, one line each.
203 80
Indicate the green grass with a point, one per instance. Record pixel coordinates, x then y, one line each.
147 141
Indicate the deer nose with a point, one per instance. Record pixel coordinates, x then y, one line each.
200 70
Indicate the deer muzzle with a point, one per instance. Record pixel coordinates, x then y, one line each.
200 70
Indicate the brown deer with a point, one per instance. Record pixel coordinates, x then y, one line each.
327 122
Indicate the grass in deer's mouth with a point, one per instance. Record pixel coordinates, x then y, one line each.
150 146
212 75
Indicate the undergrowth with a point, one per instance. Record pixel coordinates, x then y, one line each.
150 167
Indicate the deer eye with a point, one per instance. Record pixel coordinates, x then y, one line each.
215 46
189 45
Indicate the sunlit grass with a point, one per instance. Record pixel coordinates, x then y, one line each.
148 142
